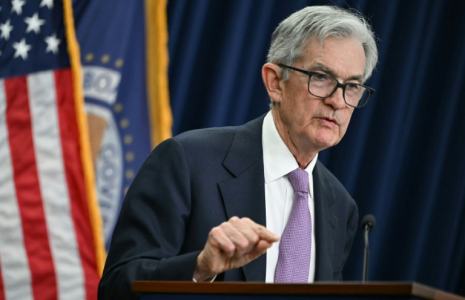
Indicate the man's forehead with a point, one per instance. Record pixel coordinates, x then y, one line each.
340 57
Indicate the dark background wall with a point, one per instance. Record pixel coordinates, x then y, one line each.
402 158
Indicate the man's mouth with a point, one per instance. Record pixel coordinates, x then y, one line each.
329 120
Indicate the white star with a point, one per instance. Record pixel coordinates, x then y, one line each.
34 23
6 28
21 49
17 6
52 44
48 3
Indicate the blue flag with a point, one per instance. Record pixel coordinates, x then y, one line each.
125 116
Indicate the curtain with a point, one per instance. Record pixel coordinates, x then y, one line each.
402 158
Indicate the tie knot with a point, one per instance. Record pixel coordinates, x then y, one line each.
299 180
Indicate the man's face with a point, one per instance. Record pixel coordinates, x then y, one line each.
309 123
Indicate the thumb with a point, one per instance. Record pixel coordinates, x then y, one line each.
259 249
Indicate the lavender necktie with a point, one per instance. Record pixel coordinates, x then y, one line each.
296 240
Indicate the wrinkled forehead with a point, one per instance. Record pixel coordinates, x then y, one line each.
343 56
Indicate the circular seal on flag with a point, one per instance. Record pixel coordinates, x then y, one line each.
107 154
100 90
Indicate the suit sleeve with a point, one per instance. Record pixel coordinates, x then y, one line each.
150 231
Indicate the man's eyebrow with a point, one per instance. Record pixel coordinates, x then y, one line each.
358 78
321 67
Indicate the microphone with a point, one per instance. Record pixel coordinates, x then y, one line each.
368 224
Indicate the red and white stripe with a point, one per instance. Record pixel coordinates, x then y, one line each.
45 233
16 276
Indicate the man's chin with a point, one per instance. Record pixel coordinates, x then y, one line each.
326 141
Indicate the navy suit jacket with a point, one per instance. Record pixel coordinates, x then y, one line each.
194 182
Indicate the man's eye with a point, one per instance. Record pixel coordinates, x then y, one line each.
353 86
321 77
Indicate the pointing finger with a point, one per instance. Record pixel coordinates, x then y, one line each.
261 231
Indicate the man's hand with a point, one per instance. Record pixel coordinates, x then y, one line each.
232 245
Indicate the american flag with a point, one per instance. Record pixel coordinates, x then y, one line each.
49 237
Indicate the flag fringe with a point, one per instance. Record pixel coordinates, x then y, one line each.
89 178
157 70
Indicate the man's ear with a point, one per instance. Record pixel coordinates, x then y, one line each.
271 75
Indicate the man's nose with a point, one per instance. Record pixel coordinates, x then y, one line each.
336 100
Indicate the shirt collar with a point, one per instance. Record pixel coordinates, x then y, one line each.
277 158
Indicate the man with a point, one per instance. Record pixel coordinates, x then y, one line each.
208 204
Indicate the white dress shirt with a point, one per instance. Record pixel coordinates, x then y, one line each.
279 195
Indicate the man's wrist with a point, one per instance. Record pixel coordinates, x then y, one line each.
201 274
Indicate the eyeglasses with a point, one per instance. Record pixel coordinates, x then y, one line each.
324 85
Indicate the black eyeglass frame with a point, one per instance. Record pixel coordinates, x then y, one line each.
370 90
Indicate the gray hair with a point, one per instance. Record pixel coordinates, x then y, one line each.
292 35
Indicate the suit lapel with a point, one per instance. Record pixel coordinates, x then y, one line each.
325 222
244 193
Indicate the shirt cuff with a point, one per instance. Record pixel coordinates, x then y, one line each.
213 279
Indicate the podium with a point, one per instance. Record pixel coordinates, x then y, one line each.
154 290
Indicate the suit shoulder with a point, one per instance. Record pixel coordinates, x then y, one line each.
212 143
200 139
206 134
